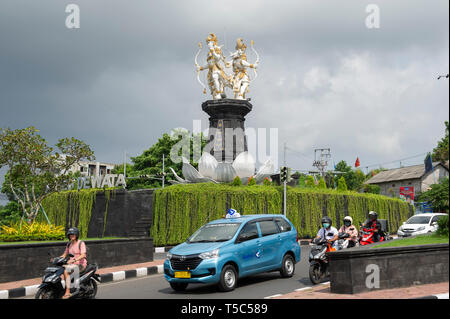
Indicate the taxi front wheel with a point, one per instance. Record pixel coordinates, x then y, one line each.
228 278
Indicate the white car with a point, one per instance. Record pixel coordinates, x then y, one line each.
420 224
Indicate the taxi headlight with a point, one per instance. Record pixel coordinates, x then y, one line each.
210 254
169 256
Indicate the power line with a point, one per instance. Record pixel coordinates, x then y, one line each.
396 161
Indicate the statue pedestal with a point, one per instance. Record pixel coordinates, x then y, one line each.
226 136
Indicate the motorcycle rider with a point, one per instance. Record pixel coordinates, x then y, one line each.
327 231
372 222
79 262
350 229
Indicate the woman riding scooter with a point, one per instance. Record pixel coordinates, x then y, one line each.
77 263
350 229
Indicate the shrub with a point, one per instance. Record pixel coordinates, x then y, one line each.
267 182
237 181
322 184
342 185
251 181
443 226
37 231
310 182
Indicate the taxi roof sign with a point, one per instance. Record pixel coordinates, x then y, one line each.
232 213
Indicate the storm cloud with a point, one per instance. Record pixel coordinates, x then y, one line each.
127 76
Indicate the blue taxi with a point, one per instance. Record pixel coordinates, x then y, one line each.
227 249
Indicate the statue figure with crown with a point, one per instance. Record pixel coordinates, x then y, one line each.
226 154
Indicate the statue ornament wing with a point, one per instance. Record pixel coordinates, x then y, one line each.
198 68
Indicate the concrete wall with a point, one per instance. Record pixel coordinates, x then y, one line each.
351 269
26 261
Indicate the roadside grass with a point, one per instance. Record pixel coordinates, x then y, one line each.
416 240
55 241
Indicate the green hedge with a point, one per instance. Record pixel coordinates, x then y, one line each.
73 208
179 210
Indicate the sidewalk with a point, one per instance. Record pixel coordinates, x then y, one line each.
28 287
322 291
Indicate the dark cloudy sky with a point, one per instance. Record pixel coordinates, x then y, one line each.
325 80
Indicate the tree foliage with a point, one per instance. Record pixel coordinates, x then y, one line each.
151 160
438 196
35 169
440 152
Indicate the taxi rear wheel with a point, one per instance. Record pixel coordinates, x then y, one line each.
178 286
228 278
287 266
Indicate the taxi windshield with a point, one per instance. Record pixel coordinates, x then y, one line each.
214 233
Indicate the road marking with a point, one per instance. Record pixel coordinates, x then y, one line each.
160 269
277 295
442 296
4 294
31 290
301 289
118 275
325 283
140 272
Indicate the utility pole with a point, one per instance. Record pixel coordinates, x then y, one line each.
285 181
125 167
325 154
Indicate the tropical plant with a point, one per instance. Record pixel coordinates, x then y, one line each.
251 181
441 151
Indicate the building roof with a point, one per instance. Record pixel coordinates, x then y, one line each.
398 174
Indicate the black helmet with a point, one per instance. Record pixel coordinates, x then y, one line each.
326 219
73 231
373 215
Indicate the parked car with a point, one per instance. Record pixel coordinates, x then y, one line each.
228 249
420 224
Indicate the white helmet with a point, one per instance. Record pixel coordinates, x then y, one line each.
349 219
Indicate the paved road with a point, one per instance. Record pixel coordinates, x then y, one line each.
257 286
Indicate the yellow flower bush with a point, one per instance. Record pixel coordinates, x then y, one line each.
38 231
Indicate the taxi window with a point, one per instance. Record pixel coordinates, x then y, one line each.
283 224
268 227
250 231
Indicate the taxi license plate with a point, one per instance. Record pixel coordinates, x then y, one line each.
182 274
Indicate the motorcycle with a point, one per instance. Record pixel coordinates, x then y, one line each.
367 236
52 285
343 241
318 260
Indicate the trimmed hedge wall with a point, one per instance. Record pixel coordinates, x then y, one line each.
73 208
179 210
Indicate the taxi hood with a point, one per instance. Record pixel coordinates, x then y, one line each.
195 248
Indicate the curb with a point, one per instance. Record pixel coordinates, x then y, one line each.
104 278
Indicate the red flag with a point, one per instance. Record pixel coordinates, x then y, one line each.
357 162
